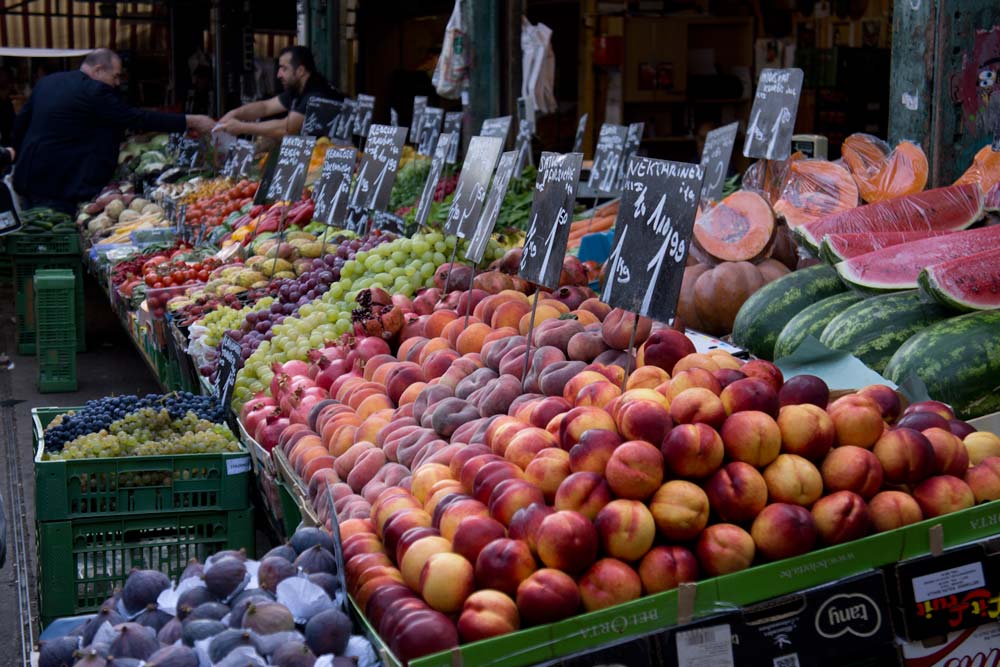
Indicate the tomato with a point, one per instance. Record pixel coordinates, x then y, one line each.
149 279
203 275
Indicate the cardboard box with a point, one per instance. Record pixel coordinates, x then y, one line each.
959 588
846 623
974 647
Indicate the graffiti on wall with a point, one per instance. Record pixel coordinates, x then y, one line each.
976 88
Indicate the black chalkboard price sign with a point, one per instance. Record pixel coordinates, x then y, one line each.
470 193
652 236
320 117
430 185
331 189
715 160
239 162
772 118
581 130
378 167
363 114
393 117
416 123
345 121
522 146
189 153
607 157
230 362
453 124
632 141
496 127
290 171
430 129
491 209
551 214
389 222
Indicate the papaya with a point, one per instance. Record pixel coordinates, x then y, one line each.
739 228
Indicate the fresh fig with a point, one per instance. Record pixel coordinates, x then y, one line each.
58 652
286 551
225 642
243 601
225 576
328 632
104 615
124 662
245 657
171 632
193 569
153 618
316 559
309 536
192 598
133 641
213 611
239 554
267 645
293 655
273 570
268 617
173 656
91 658
328 582
142 588
193 631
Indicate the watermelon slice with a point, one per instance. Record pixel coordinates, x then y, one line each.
991 202
897 267
967 283
942 209
838 247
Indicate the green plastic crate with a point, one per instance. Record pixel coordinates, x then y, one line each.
43 244
291 515
81 562
57 368
86 488
55 308
23 268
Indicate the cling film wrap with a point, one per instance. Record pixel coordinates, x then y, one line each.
949 208
768 177
984 170
884 173
815 189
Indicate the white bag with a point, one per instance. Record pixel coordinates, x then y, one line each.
452 70
538 66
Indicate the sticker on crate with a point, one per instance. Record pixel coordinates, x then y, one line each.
974 647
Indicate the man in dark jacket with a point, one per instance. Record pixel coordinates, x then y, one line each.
68 133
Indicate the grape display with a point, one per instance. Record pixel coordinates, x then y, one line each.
151 432
100 414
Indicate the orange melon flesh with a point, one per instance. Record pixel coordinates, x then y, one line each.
736 229
815 189
881 173
984 170
768 177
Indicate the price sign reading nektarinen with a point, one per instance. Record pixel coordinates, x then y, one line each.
290 171
715 160
607 158
772 119
491 209
330 192
551 214
378 167
470 193
652 236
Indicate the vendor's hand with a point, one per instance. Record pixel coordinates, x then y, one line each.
229 116
200 124
230 125
13 154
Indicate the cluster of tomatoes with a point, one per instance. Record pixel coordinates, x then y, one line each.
210 212
161 272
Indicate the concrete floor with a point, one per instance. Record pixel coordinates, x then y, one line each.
110 365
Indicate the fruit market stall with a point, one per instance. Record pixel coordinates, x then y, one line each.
482 449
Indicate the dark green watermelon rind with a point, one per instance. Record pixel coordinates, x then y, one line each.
931 285
828 253
896 208
811 321
873 329
959 361
765 313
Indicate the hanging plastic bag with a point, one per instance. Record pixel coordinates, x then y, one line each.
539 66
452 71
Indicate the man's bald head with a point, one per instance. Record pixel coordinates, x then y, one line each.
103 65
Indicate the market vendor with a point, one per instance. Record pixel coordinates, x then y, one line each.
68 133
298 75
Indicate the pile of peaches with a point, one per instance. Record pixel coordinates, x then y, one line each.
474 500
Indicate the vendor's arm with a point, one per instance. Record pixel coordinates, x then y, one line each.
21 123
255 110
275 129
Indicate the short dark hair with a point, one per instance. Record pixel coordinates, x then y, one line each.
100 58
301 55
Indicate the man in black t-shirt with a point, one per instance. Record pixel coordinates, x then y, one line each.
297 73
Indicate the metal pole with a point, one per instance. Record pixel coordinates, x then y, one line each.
220 92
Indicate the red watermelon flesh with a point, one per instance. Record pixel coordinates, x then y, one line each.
967 283
838 247
991 202
942 209
897 267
